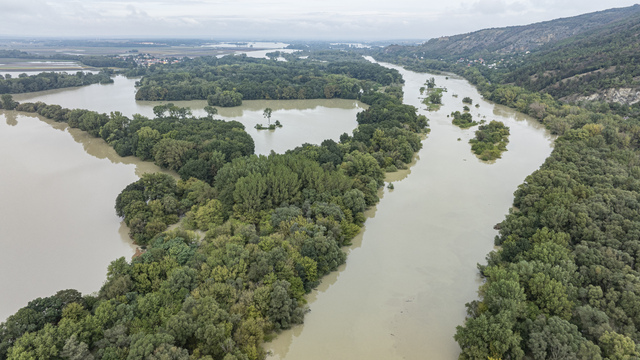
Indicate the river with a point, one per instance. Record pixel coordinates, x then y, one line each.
408 275
402 291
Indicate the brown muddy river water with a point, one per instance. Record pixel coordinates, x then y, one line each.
402 291
58 227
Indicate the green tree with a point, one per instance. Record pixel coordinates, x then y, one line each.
209 215
489 337
211 111
76 350
267 114
7 102
147 139
555 338
617 346
143 346
171 153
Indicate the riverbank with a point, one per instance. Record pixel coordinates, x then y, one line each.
411 270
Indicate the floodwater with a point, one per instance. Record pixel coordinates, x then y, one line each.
58 227
304 121
408 275
402 292
15 67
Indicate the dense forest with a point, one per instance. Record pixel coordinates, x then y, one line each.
273 226
228 80
561 284
564 282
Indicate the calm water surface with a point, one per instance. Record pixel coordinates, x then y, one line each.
402 291
304 121
58 227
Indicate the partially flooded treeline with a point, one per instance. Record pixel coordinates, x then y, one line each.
50 80
274 226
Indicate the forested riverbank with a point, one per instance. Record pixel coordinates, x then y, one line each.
274 225
564 281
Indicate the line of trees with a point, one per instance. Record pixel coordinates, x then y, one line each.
51 80
229 80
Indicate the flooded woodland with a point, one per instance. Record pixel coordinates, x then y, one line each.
408 274
60 184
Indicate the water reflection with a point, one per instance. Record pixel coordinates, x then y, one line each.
10 116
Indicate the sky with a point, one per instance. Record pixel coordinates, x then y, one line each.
364 20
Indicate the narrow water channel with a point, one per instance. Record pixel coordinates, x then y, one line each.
402 291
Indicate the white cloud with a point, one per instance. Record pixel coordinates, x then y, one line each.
270 19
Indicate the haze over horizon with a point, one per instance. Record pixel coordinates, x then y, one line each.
279 19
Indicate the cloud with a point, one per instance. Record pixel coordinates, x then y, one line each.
285 19
26 8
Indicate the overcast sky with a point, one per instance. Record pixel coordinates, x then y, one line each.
280 19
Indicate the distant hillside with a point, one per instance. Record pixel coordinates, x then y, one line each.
509 40
593 57
599 64
565 280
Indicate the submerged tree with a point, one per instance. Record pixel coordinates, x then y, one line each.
7 102
211 111
267 114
